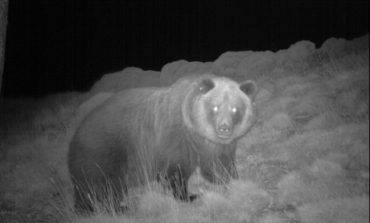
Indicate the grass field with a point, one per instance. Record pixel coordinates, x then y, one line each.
306 160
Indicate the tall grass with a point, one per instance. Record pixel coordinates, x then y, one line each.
305 160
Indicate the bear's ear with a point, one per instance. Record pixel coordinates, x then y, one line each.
249 88
206 85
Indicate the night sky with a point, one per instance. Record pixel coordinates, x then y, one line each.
56 46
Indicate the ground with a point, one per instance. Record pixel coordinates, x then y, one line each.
305 160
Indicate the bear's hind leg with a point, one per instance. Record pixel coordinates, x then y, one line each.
118 194
107 196
82 202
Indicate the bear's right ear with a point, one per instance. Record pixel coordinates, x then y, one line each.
249 88
206 85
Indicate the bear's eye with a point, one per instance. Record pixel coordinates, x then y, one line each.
215 109
233 110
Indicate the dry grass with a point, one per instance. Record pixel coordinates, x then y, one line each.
306 160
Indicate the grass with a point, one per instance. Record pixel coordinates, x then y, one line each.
306 160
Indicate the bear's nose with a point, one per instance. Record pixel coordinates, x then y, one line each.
224 128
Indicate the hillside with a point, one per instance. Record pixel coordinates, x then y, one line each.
306 160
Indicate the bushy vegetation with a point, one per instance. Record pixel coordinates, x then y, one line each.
305 160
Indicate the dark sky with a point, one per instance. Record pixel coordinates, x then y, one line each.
54 46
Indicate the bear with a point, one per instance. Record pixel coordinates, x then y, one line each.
160 134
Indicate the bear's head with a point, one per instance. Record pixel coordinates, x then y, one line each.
220 109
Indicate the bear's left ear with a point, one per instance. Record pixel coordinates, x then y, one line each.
249 88
206 85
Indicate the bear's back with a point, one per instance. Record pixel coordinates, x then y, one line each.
124 111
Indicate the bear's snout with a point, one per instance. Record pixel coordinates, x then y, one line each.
224 130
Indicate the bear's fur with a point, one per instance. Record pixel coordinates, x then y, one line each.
146 134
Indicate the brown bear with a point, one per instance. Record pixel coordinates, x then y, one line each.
145 134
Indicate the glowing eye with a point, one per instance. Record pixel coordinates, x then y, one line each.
215 109
233 110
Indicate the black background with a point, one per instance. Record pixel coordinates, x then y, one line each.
54 46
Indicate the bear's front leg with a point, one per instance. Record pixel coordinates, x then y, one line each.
178 179
220 170
228 162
